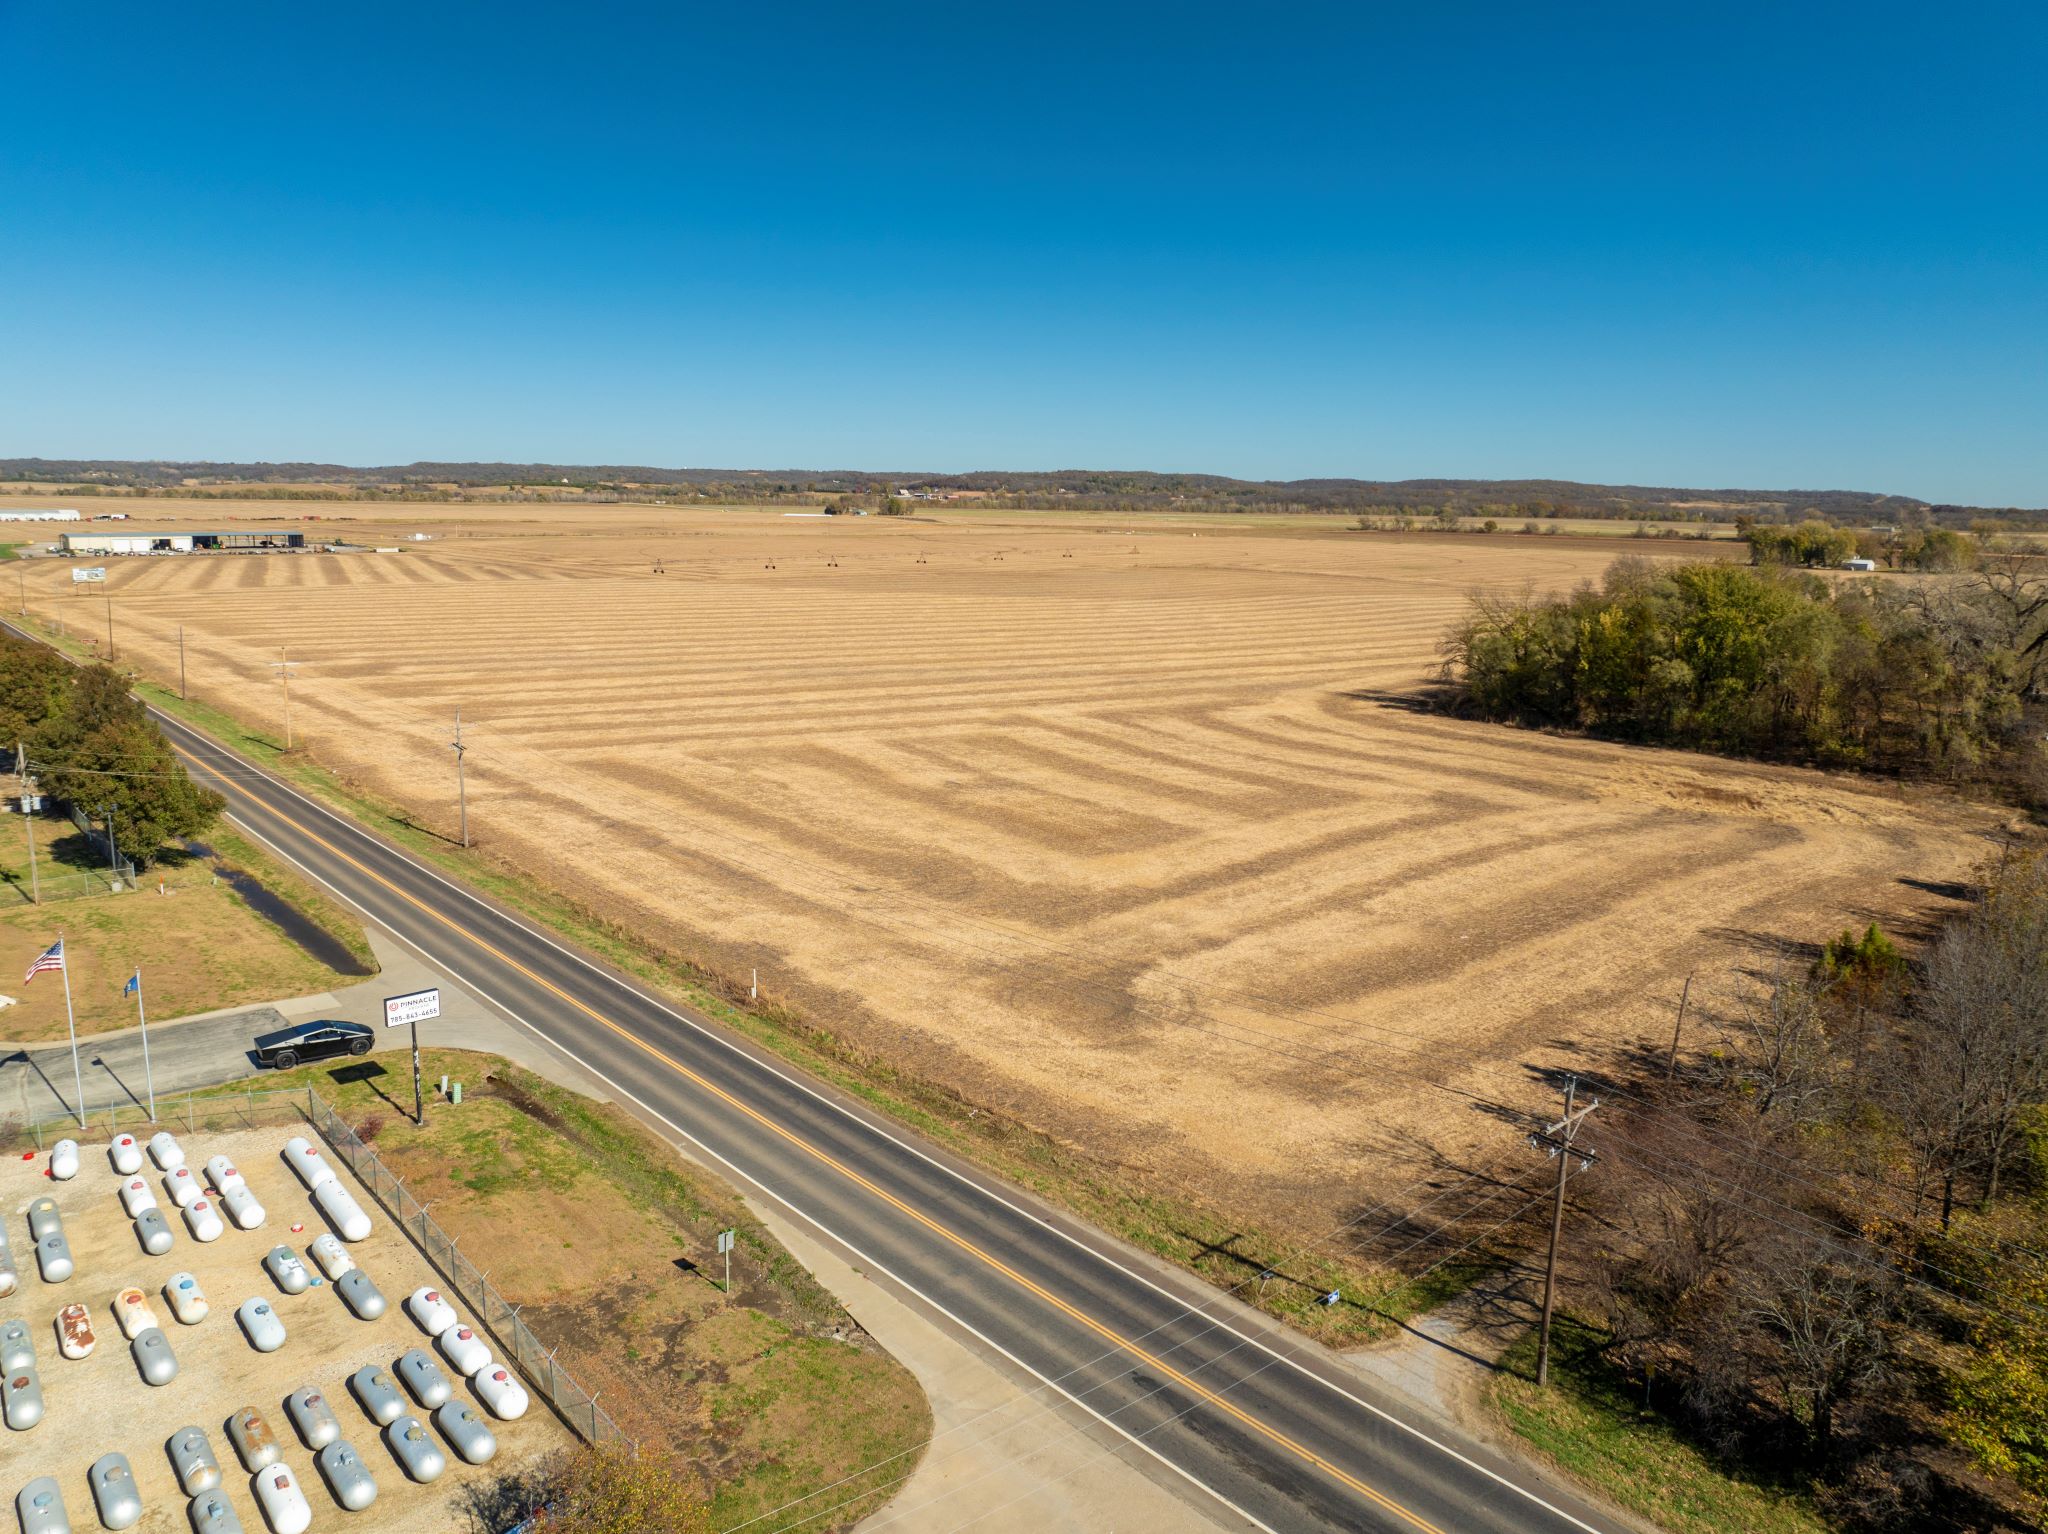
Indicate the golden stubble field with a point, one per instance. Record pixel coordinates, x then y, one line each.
1116 827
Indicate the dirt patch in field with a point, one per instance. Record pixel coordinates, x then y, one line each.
1106 825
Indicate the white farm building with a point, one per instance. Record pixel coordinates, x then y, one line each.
96 545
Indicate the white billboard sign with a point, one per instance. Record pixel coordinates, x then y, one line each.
413 1007
89 573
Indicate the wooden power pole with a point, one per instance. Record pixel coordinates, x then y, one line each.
461 788
284 667
1557 1139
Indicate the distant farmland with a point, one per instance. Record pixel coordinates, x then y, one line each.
1114 826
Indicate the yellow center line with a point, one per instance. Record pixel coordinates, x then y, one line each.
1107 1333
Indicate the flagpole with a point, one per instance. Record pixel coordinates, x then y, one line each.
71 1025
141 1018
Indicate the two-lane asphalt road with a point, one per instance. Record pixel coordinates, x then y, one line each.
1234 1413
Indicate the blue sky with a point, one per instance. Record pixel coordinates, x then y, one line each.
1761 246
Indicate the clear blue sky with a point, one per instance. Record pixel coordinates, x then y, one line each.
1778 245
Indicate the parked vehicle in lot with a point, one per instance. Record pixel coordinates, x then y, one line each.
321 1039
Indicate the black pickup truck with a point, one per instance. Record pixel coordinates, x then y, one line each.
321 1039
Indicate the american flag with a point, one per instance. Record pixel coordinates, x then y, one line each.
51 958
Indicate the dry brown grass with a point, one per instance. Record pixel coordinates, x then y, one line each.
1104 822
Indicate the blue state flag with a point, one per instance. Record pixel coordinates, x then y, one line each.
134 983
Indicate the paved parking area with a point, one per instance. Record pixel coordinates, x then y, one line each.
101 1404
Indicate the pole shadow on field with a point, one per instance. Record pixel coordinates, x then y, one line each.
368 1073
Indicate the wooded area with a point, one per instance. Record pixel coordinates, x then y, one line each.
1941 679
89 742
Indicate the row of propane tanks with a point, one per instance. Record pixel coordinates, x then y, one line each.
276 1486
278 1492
21 1390
53 1250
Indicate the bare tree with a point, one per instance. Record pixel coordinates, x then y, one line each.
1983 1040
1819 1323
1777 1053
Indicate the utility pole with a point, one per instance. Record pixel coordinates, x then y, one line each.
181 661
113 858
1557 1139
1671 1065
284 668
461 789
110 623
28 821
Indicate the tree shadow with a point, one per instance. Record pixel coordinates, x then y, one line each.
1430 698
506 1501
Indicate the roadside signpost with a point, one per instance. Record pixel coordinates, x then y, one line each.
408 1011
725 1247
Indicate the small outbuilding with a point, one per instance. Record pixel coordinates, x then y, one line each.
1859 564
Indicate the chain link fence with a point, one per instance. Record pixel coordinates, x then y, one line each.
118 867
226 1114
58 882
575 1405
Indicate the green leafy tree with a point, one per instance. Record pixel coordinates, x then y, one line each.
1998 1395
32 684
98 748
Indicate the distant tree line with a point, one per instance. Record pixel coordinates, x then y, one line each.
1939 678
1814 543
1095 489
90 743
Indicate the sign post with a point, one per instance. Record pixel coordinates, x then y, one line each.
725 1246
408 1011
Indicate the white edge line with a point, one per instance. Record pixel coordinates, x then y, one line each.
802 1215
883 1131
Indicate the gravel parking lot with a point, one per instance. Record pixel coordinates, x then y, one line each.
100 1404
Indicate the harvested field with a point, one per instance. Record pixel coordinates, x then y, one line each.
1115 825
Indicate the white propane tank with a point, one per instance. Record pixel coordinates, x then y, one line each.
504 1395
306 1162
185 1189
285 1507
188 1300
136 1196
332 1256
165 1150
431 1309
133 1312
222 1174
126 1155
465 1350
203 1220
342 1211
64 1160
242 1207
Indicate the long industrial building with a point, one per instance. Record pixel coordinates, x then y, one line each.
96 544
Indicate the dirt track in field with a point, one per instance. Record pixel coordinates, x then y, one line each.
1117 827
